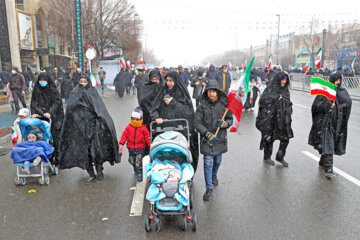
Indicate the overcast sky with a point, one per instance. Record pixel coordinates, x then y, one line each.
187 31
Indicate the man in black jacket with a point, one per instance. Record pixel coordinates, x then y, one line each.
224 79
208 118
18 87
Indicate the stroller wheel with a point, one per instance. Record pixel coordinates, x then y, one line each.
17 181
157 224
41 181
194 221
47 180
23 181
46 170
184 223
147 223
56 171
191 200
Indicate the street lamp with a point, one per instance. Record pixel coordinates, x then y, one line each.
278 39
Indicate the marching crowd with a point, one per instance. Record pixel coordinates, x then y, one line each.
85 135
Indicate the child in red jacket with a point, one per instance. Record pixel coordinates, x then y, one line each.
137 137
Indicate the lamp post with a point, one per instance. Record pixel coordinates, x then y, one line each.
323 48
278 39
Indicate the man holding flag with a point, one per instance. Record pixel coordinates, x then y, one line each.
274 118
330 115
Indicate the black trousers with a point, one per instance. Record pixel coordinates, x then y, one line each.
268 149
17 95
194 149
91 166
102 83
326 161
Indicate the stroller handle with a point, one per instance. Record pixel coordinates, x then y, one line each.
179 125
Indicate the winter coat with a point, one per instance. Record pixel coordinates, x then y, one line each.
136 138
47 100
140 81
88 130
198 89
185 78
66 85
206 115
17 82
220 80
211 74
180 106
328 132
119 83
5 75
127 78
274 116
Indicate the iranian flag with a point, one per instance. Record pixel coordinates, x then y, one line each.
128 64
318 58
14 137
320 86
122 62
306 68
237 96
352 65
269 65
93 80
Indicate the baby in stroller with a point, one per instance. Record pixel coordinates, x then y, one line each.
170 172
28 154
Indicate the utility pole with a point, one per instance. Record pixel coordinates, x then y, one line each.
278 40
323 49
79 33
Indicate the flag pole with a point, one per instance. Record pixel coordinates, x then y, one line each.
223 118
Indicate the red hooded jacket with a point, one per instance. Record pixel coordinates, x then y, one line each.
136 138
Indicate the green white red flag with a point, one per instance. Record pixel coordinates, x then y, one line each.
269 65
237 96
14 137
320 86
93 80
306 68
318 59
352 65
122 62
128 64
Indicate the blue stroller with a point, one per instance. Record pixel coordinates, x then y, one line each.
170 173
33 150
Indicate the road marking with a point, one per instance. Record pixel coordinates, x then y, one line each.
138 198
302 106
337 170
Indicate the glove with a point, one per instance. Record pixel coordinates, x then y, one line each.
211 137
121 148
221 123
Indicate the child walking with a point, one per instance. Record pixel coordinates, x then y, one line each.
137 137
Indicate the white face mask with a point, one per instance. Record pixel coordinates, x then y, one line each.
13 71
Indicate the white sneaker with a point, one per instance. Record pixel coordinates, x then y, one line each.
37 161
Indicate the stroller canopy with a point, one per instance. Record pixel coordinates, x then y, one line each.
170 144
41 127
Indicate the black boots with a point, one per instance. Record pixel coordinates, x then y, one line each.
329 173
207 194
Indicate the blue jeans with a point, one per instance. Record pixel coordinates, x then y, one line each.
211 167
136 160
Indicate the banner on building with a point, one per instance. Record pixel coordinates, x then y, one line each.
25 31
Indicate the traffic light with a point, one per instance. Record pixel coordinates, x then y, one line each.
79 35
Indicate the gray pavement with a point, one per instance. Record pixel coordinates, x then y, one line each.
252 201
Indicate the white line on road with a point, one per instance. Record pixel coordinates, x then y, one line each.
138 198
302 106
337 170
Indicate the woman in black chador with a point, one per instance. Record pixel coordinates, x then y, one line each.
328 133
46 103
173 102
274 118
88 136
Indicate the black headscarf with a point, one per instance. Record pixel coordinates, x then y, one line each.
88 130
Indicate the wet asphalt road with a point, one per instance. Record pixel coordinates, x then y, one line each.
252 201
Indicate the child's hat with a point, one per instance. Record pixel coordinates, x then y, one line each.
137 113
24 112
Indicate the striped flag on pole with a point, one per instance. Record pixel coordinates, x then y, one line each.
14 137
122 61
128 64
352 65
320 86
318 58
306 68
93 80
269 65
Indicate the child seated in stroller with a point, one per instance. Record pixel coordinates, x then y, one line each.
31 152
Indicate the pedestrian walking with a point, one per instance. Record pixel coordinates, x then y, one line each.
328 133
127 80
66 86
18 88
140 81
76 77
184 75
10 98
274 118
208 118
212 73
88 136
224 79
198 83
119 83
137 137
46 103
173 102
102 76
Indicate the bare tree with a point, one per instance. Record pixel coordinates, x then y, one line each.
150 57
